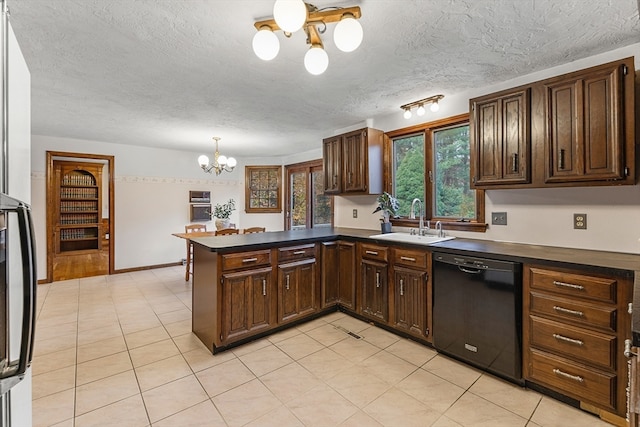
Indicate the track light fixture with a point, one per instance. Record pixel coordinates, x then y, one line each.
433 100
293 15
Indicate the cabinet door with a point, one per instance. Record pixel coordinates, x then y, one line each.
347 274
375 290
245 303
332 164
410 301
297 285
501 138
330 274
585 119
354 158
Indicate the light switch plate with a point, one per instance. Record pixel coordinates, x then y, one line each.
498 218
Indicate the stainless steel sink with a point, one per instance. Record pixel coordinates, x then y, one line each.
412 238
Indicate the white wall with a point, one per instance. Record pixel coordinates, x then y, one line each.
537 216
151 197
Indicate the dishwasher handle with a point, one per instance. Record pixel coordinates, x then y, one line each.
470 271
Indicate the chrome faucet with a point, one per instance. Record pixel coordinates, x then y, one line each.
439 229
412 215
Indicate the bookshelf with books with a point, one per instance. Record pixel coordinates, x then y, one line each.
78 206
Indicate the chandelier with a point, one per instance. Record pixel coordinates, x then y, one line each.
293 15
220 163
433 100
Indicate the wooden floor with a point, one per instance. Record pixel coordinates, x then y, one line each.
78 265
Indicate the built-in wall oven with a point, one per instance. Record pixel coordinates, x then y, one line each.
477 312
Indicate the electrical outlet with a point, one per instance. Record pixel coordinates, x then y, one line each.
355 213
579 221
498 218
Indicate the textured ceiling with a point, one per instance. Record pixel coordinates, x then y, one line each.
174 73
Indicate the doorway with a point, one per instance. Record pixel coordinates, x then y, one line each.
80 215
306 204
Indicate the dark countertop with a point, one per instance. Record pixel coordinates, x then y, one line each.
624 264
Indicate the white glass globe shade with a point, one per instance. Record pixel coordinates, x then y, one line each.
348 34
435 107
232 162
316 60
407 114
290 15
222 160
203 160
266 45
420 111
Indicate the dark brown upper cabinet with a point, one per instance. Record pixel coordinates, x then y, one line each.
577 129
353 162
501 138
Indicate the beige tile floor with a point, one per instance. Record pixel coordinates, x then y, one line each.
118 350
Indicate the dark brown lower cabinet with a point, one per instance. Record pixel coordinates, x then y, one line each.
339 274
410 301
246 303
296 289
375 290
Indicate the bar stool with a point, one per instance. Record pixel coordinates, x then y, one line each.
191 228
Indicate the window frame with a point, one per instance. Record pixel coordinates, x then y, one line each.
277 170
427 129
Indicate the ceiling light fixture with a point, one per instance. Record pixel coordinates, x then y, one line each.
290 16
220 163
433 100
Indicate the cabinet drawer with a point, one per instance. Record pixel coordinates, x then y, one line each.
599 316
375 252
577 343
575 285
297 252
246 259
574 380
410 257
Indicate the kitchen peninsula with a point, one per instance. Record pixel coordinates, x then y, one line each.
248 286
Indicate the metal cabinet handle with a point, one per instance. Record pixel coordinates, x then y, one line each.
299 253
568 311
377 280
567 339
401 287
371 252
566 375
406 258
264 287
287 280
561 159
568 285
514 162
249 259
349 177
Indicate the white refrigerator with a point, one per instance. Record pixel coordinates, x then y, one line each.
17 248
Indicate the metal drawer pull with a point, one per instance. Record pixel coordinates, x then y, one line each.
249 259
406 258
264 287
567 311
567 339
568 285
299 252
371 252
571 377
377 280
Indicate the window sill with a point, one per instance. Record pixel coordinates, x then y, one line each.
446 225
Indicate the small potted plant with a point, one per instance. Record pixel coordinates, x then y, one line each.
222 212
388 205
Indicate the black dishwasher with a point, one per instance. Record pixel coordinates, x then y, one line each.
477 312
